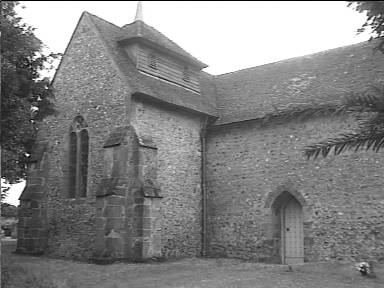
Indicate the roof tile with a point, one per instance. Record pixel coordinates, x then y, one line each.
154 88
143 30
319 78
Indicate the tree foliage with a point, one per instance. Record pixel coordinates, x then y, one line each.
368 107
374 11
25 97
8 210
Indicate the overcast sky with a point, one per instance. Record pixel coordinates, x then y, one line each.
226 35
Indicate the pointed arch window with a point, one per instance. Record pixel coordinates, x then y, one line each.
78 158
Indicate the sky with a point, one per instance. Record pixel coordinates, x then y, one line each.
226 35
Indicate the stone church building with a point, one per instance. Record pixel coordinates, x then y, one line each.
149 156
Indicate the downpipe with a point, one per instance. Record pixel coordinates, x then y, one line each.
203 189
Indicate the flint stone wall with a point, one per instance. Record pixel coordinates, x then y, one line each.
249 165
176 135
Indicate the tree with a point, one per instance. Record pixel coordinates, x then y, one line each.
375 19
25 97
367 106
369 110
8 210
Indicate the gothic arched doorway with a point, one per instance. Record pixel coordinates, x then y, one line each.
292 232
289 217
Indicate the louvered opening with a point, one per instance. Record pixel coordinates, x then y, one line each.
186 74
167 69
152 61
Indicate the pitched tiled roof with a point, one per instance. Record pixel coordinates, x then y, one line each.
142 84
140 29
313 79
250 93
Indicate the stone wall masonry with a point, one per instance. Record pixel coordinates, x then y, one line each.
177 138
32 219
71 228
110 223
128 219
151 218
88 84
249 165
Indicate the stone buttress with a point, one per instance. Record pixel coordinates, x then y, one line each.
128 215
32 212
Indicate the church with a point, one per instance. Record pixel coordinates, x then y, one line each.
150 157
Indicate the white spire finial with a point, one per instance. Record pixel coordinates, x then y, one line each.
139 11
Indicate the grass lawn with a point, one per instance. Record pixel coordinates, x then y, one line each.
19 271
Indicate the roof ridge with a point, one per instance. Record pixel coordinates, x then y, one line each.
295 58
125 25
99 18
148 32
149 27
134 82
170 40
110 52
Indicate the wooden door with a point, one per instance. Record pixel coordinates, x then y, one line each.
292 233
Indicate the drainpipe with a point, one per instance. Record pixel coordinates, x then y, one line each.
203 189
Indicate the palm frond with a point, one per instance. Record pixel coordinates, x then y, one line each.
372 140
371 122
302 113
369 101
